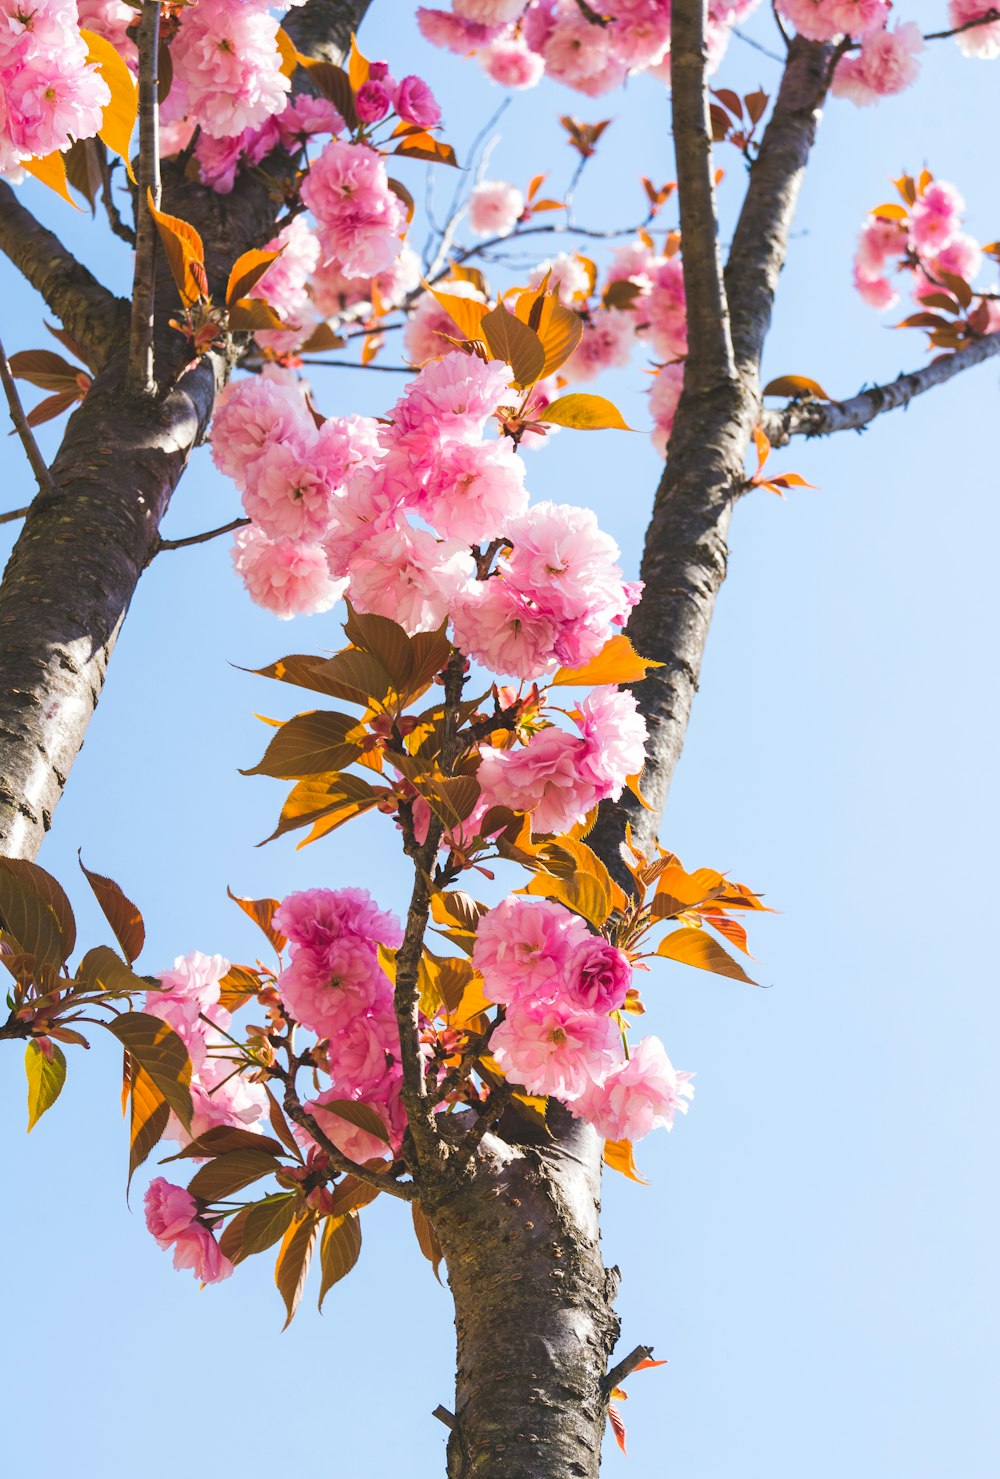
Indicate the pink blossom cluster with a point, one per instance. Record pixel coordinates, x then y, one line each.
335 987
189 1001
517 42
172 1218
927 241
559 776
560 987
49 93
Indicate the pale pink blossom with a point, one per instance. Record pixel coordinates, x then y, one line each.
509 62
978 41
408 575
285 576
171 1216
474 490
645 1093
523 948
495 208
504 630
554 1052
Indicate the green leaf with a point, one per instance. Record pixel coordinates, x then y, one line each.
310 744
584 413
292 1267
511 340
339 1251
158 1050
229 1173
46 1076
258 1227
122 915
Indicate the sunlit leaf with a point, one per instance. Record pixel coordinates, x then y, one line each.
339 1250
46 1073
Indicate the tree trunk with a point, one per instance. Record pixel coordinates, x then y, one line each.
533 1308
74 570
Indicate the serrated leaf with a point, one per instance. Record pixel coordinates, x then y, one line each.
695 947
46 1074
427 1239
310 744
584 413
51 171
122 915
247 272
229 1173
261 911
511 340
292 1267
184 250
258 1227
119 116
160 1052
617 662
339 1250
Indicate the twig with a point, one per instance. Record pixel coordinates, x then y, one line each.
201 538
618 1373
38 464
141 375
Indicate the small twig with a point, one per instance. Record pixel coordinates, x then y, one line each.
141 377
618 1373
38 463
201 538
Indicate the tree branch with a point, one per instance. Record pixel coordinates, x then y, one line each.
823 418
710 356
140 379
86 308
38 464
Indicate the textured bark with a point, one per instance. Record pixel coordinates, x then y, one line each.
822 418
74 570
533 1305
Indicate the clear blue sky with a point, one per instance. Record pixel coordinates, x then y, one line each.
816 1252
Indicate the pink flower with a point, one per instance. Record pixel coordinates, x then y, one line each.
886 64
552 1052
170 1217
474 490
372 101
504 630
936 217
664 398
495 208
283 575
638 1096
524 946
979 41
415 103
606 344
252 416
410 576
597 977
360 220
509 62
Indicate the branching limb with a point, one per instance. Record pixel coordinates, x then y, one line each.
710 358
140 379
823 418
92 314
38 464
201 538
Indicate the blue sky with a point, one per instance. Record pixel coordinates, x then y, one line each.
815 1254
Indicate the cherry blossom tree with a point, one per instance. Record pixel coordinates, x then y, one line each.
479 1063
